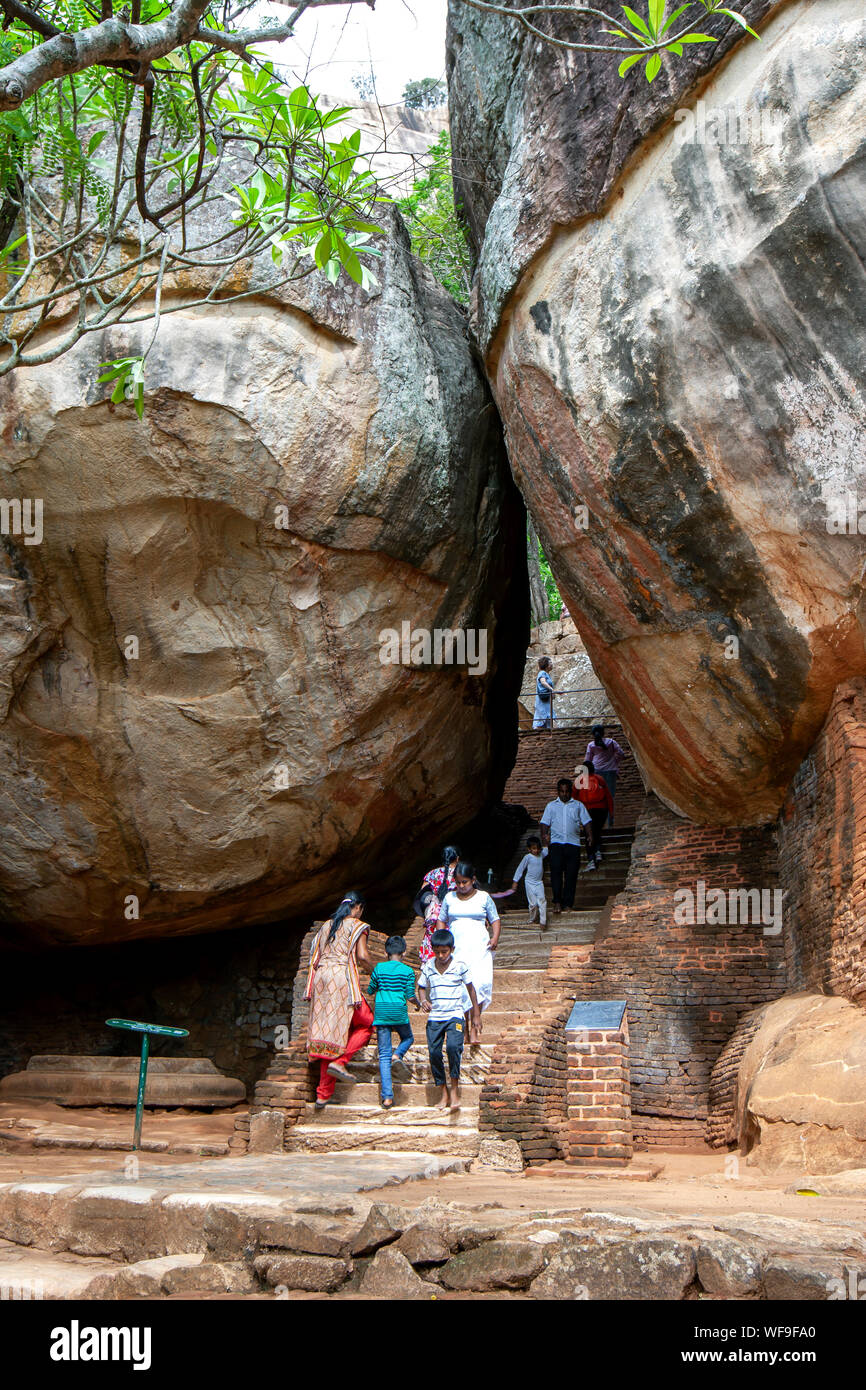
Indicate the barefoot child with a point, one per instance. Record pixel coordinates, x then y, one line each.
532 864
393 983
446 980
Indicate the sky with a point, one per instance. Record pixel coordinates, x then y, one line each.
403 40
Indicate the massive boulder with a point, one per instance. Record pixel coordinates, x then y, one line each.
198 727
800 1095
670 298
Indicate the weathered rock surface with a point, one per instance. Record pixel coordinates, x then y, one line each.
728 1268
390 1275
194 712
801 1086
377 1230
423 1245
314 1273
498 1264
673 329
643 1268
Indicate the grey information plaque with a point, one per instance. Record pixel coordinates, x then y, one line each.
597 1013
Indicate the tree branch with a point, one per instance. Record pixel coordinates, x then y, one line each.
105 44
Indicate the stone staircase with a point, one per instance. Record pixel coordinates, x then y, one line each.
355 1119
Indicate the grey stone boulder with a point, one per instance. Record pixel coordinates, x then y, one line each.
424 1245
379 1229
648 1267
312 1273
728 1268
498 1264
802 1278
390 1275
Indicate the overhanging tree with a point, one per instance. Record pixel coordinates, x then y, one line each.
123 134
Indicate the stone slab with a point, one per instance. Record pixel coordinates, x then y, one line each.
628 1172
192 1082
596 1014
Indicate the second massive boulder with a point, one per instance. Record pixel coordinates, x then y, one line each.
200 724
670 297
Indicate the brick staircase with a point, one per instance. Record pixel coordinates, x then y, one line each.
593 888
355 1119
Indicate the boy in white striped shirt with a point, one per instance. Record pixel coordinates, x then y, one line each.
446 981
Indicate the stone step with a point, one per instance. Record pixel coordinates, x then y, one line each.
533 933
406 1093
415 1139
27 1274
473 1071
425 1116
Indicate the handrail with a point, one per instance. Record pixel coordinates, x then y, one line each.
580 690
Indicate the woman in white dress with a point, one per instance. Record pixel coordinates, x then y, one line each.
471 916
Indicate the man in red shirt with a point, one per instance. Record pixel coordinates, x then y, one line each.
594 792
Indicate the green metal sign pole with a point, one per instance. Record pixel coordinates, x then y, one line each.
142 1082
147 1030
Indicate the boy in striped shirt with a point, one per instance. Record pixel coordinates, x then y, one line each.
446 980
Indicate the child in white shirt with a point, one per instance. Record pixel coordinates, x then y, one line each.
532 864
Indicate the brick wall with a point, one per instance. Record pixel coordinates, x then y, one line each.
524 1096
822 855
597 1091
543 757
687 986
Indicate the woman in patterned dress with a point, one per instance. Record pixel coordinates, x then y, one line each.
340 1019
439 881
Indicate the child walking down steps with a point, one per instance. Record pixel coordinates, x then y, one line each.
532 864
446 980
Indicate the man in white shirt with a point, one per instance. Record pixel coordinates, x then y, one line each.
560 829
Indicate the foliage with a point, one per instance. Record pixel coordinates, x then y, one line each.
654 31
554 597
114 186
438 238
120 134
428 92
647 36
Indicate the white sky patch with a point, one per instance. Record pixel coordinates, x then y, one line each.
402 40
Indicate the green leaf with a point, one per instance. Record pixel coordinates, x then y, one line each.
656 14
696 38
323 249
351 264
676 48
740 20
637 22
95 141
374 230
672 18
652 66
633 38
13 245
628 63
